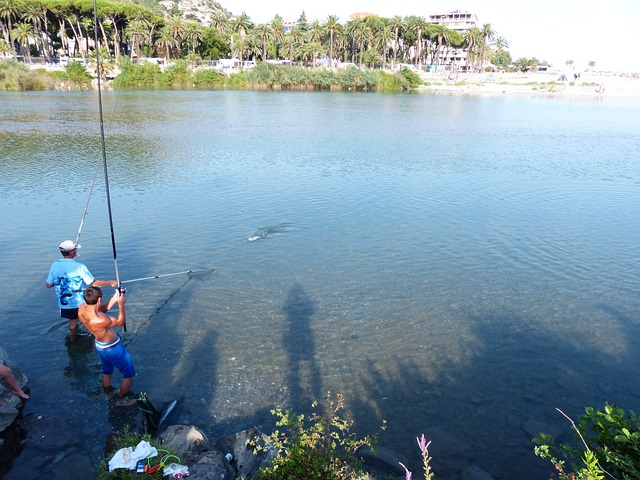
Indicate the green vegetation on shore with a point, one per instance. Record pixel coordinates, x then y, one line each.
16 76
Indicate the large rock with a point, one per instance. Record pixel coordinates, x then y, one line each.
187 441
11 404
246 459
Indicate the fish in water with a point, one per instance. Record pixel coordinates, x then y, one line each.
263 232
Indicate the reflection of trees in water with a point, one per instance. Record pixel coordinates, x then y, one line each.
303 377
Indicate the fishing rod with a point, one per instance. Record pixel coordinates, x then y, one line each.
168 275
104 151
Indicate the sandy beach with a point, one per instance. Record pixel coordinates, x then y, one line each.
539 84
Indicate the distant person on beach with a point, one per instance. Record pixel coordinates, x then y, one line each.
5 373
112 352
69 277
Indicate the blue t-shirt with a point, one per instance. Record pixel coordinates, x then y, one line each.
69 278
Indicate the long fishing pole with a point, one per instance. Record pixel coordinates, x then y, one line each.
104 150
168 275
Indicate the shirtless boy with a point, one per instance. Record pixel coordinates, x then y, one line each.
109 345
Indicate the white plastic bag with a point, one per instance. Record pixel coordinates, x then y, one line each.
178 471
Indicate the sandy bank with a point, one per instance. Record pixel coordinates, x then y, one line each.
538 84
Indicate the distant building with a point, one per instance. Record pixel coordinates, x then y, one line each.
456 20
460 21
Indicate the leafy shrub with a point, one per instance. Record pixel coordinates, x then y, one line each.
177 75
411 77
139 74
607 442
316 447
392 82
77 73
207 78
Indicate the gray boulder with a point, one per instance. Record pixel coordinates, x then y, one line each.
11 404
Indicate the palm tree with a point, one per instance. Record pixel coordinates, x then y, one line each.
331 25
168 41
591 64
472 38
137 31
265 32
382 40
9 9
34 15
501 44
219 22
175 29
296 38
193 34
360 34
441 36
419 25
397 24
240 24
278 34
23 34
487 35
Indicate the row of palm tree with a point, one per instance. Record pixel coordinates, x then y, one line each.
48 27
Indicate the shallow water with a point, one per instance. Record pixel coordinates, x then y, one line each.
457 266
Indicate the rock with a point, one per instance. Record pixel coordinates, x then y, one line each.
211 466
187 441
51 434
535 427
474 473
382 460
11 404
245 460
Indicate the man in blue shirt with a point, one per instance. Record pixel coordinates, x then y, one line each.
70 278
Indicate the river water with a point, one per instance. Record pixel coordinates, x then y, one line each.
457 266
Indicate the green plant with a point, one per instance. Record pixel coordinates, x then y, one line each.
77 73
606 440
316 447
412 78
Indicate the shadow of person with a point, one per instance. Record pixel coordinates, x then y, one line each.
303 377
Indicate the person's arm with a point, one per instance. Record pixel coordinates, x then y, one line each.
122 317
48 285
105 307
104 283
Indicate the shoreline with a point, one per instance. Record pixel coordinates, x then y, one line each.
536 84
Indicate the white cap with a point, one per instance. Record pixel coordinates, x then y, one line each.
68 245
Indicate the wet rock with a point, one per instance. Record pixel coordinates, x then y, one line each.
72 466
535 427
382 460
50 434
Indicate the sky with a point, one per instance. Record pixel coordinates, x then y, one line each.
553 30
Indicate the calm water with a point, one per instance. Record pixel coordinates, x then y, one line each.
457 266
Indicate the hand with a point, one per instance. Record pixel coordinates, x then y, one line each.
121 299
114 284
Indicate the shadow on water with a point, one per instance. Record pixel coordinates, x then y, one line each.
483 405
299 345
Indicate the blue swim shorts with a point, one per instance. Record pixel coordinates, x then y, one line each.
116 356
